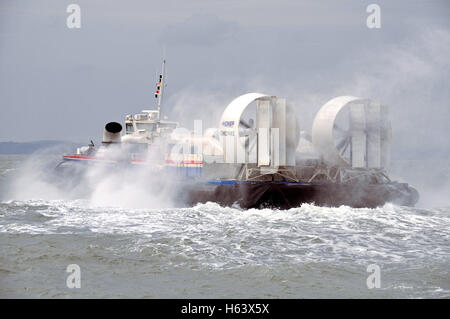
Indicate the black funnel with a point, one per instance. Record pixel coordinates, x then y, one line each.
113 127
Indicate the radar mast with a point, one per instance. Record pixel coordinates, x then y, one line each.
160 86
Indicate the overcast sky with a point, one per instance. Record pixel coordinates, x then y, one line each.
58 83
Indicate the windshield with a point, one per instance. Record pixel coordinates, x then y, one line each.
146 126
168 126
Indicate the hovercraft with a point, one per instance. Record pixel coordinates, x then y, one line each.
258 156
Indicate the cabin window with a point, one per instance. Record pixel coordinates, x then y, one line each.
168 126
129 128
149 127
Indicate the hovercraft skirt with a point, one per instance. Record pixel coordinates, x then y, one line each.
289 195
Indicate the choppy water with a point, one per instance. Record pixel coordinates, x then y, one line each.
211 251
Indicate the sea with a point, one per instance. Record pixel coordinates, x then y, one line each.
115 238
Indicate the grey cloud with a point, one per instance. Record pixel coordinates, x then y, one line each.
199 29
65 84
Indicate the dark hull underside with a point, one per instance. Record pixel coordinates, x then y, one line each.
272 194
285 196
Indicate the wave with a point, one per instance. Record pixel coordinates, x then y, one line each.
229 237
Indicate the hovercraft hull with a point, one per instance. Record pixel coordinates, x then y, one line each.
290 195
190 190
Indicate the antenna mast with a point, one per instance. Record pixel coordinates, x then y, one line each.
160 88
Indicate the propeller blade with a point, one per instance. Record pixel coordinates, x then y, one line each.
346 146
340 129
343 143
252 145
342 132
244 124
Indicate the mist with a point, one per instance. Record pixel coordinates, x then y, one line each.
409 76
40 177
66 84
